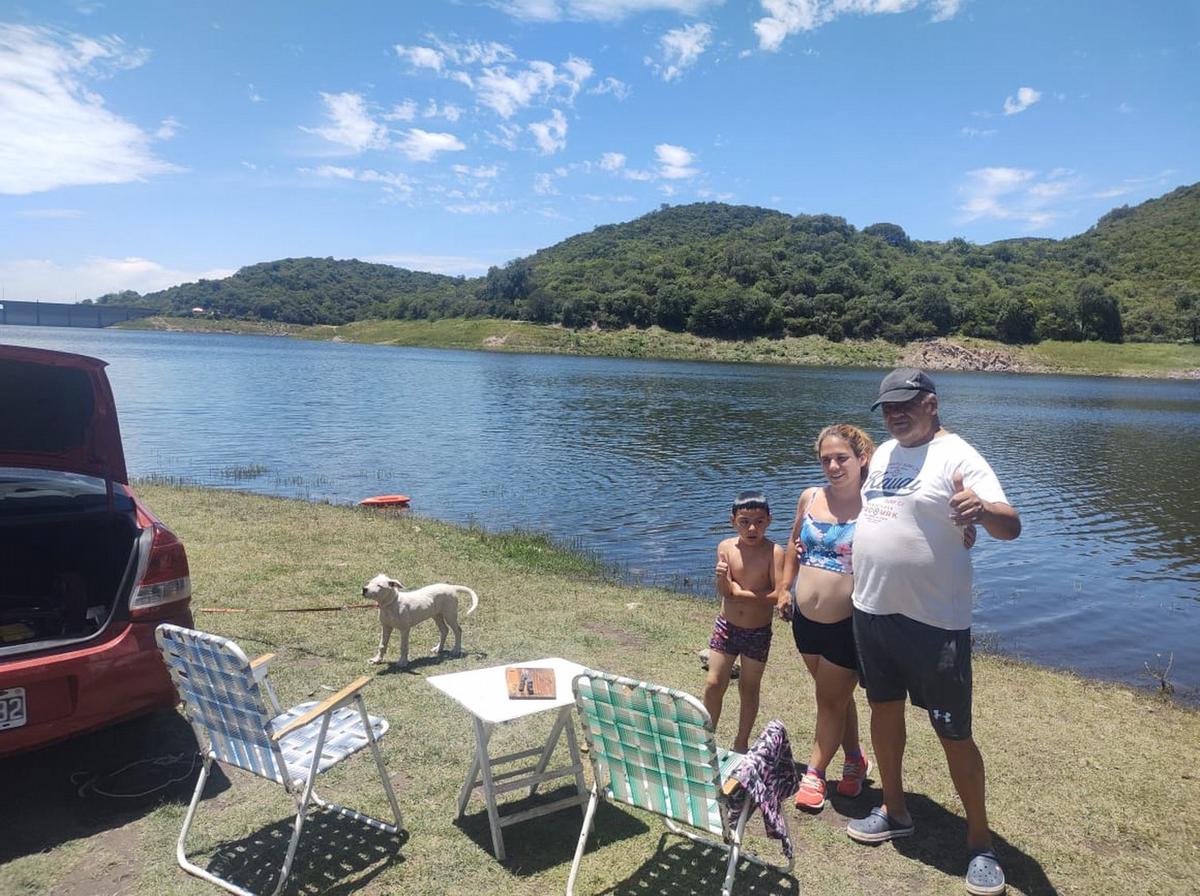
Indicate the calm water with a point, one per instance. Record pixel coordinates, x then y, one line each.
638 461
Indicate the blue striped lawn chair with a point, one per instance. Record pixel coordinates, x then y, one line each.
232 707
655 748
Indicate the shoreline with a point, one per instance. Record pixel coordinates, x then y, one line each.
1098 829
1146 360
984 644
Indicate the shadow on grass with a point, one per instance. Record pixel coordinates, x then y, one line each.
940 842
420 663
98 782
335 855
680 867
548 841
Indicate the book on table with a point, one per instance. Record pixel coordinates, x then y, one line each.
530 683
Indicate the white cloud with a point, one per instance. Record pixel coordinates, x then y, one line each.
944 10
350 124
1016 194
423 146
597 10
612 161
448 111
476 52
253 95
55 129
505 94
620 197
577 71
402 111
1026 97
615 86
508 136
681 47
543 184
399 182
52 281
420 57
483 172
551 134
168 129
978 132
674 162
787 17
477 208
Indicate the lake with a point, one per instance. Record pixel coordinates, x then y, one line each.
639 460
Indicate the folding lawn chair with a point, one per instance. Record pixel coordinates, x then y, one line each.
223 697
654 748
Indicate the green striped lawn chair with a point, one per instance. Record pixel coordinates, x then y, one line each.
232 707
654 748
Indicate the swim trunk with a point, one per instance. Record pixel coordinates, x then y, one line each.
833 641
899 656
752 643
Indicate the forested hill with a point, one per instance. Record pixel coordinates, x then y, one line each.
308 291
738 271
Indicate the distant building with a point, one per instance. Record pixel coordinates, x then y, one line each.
198 311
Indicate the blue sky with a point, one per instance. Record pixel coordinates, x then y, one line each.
144 144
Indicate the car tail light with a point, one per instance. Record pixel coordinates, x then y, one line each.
164 581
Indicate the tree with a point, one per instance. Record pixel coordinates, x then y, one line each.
1099 314
1015 320
892 234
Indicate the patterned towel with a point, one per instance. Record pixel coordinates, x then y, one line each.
768 777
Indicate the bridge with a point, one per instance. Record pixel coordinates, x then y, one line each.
60 314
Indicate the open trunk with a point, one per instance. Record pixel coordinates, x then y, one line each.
69 550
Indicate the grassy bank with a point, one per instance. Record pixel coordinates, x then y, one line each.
517 336
1090 785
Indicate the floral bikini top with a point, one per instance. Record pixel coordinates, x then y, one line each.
826 545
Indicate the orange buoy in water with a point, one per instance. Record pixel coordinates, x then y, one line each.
385 501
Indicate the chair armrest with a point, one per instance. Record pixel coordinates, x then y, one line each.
731 786
325 706
259 666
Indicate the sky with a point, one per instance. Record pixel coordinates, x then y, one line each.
145 144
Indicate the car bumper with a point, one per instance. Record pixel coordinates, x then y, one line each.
90 687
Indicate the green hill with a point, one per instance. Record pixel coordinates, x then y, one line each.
739 271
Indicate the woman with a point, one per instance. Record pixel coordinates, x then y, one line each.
817 558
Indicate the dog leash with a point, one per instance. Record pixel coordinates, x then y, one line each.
285 610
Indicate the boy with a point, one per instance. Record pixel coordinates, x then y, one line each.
747 568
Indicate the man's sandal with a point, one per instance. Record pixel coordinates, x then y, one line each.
878 827
985 877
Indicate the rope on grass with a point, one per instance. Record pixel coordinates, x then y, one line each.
286 609
86 784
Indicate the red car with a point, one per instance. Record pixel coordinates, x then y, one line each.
86 570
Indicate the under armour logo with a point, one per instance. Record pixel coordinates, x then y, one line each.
940 715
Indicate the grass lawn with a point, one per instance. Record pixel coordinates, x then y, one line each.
1091 787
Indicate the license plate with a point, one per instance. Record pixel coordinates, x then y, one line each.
12 708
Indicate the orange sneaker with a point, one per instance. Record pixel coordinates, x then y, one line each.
811 794
853 773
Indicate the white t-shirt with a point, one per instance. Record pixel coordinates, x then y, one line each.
908 555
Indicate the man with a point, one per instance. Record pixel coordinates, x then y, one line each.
912 604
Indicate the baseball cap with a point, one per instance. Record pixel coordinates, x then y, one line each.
903 384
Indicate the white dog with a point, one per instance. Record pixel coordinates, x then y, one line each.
403 609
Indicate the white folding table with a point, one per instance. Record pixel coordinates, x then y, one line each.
484 694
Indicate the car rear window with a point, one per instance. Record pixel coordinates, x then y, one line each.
46 410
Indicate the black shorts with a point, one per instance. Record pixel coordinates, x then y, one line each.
901 657
833 641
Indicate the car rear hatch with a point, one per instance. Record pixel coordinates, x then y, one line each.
69 528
